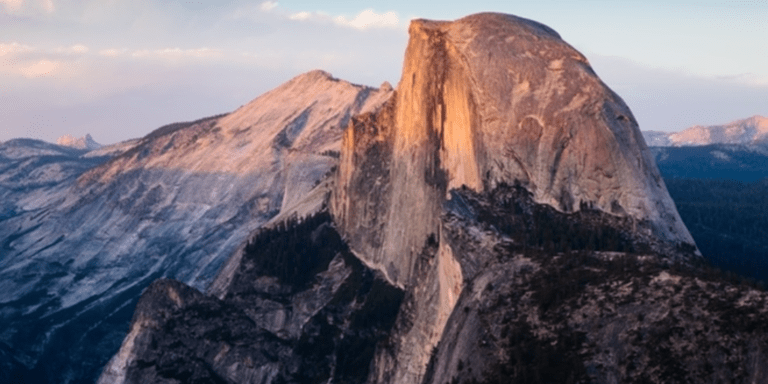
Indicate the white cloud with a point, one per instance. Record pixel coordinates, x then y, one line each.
174 53
301 16
24 61
370 19
14 49
364 20
268 6
74 49
41 68
28 7
12 5
113 52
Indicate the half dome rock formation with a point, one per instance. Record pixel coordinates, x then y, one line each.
498 219
486 100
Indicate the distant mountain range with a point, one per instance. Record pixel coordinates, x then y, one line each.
733 151
753 130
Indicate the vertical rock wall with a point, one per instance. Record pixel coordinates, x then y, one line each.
484 101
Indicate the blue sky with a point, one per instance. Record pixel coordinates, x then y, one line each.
120 68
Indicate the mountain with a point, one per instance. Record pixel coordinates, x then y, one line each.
753 130
83 239
499 219
86 142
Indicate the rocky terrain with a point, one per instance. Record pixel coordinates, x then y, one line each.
498 219
83 234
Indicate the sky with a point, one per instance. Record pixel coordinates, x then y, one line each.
118 69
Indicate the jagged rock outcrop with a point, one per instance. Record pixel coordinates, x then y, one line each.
750 131
86 142
175 204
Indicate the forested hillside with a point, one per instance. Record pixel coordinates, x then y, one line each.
729 221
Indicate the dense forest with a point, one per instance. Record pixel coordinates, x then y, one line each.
717 161
729 221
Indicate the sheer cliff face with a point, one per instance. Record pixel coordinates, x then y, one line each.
486 101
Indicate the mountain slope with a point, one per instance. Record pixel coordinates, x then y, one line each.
176 204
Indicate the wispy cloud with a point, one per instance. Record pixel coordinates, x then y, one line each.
113 52
74 49
27 7
12 49
268 6
370 19
178 53
366 19
12 5
32 62
301 16
65 62
41 68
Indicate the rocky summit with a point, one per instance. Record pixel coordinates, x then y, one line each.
497 218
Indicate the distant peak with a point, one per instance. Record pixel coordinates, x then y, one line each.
315 75
86 142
